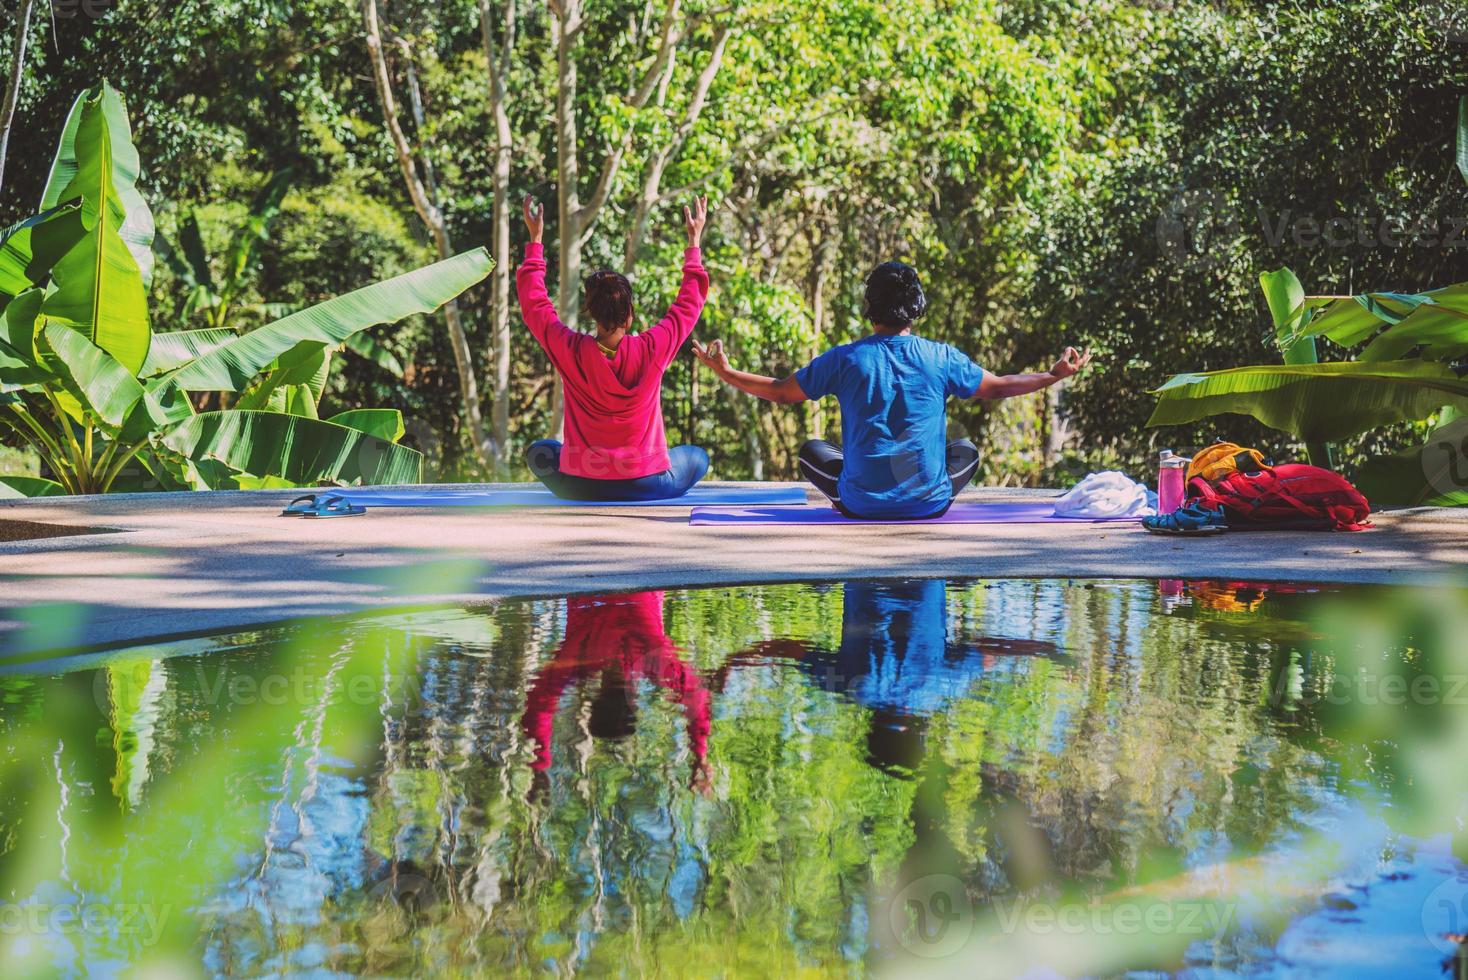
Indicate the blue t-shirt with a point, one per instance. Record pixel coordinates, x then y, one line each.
896 653
893 392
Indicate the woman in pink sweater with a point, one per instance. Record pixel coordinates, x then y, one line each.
615 445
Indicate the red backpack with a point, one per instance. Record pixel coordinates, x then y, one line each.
1293 495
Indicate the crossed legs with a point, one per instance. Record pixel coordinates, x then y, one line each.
686 466
821 463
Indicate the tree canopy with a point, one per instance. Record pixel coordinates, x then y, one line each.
1060 171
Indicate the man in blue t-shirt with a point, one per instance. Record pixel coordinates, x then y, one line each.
894 462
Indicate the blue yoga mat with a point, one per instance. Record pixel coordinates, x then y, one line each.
990 512
538 496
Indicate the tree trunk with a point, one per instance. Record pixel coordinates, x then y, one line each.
12 84
657 163
499 66
815 413
574 219
425 202
568 195
751 441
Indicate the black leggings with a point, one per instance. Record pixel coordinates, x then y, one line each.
821 462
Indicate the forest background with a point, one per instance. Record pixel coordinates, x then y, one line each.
1088 172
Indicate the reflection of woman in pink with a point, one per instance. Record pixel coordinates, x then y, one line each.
621 638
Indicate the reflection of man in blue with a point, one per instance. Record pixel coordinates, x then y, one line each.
896 658
894 652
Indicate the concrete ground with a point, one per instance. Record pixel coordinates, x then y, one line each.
175 564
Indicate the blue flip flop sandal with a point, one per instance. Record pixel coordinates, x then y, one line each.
1194 519
334 506
300 507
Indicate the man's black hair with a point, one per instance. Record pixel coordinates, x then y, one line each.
894 296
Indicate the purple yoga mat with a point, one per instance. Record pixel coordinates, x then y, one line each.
991 512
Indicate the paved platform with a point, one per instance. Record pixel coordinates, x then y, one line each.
176 564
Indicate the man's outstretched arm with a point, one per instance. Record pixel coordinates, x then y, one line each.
784 391
1009 385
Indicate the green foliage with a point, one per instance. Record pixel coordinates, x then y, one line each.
82 384
1317 402
1060 171
1326 402
1242 132
215 296
1322 403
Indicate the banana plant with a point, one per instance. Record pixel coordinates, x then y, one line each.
1406 371
1410 346
104 400
212 297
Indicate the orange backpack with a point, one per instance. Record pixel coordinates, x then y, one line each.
1223 458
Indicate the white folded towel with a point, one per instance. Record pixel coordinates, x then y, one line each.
1108 494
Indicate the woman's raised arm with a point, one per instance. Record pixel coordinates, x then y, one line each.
682 316
535 302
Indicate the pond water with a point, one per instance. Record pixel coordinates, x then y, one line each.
972 778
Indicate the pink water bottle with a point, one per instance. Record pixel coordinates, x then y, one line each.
1171 473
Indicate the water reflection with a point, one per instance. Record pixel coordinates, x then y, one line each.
898 658
509 791
615 641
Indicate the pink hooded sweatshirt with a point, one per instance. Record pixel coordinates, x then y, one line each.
615 632
614 410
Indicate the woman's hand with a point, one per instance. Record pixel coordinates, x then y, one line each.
1070 362
712 357
694 220
534 218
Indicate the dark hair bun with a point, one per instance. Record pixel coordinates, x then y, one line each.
894 295
609 298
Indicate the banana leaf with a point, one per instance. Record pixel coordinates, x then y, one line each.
374 350
234 365
63 162
1287 307
99 288
18 364
1286 299
136 228
308 365
1352 320
296 378
299 450
1439 329
99 383
384 423
256 229
296 400
1316 402
17 487
171 350
14 372
18 269
1394 323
